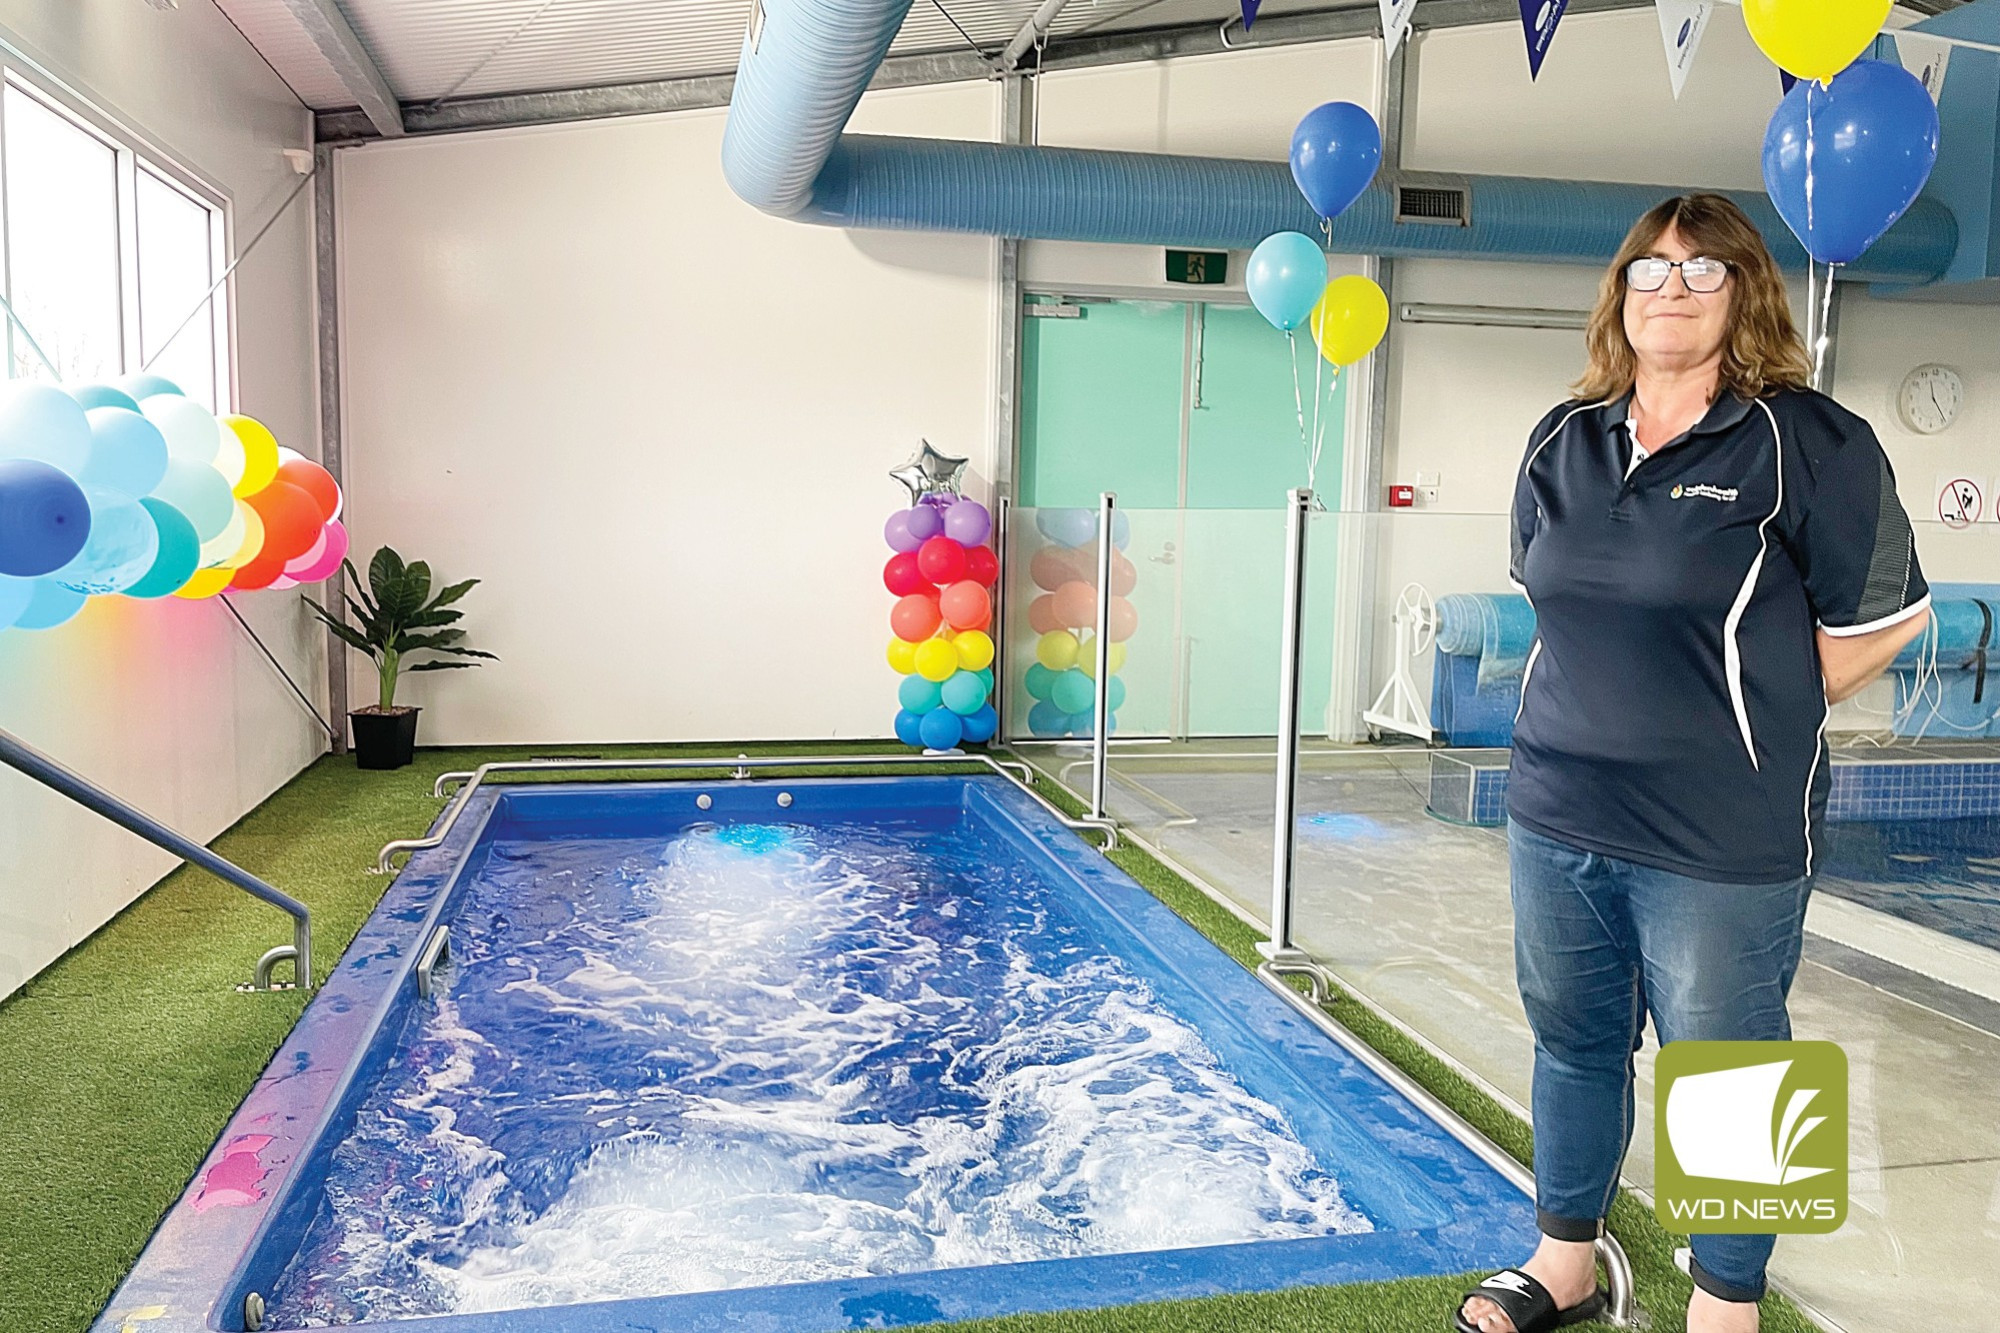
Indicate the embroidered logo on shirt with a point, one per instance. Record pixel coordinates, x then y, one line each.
1725 494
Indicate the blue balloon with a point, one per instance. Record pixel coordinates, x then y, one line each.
981 725
51 605
1335 151
917 695
102 395
41 422
1121 529
1079 724
1073 692
963 692
940 729
1286 278
143 386
1067 527
15 594
908 731
1048 721
124 543
1874 140
1039 680
44 518
128 455
199 492
180 552
1115 695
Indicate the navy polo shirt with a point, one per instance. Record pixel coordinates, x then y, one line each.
1672 709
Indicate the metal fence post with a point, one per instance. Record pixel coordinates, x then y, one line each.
1002 509
1284 828
1100 707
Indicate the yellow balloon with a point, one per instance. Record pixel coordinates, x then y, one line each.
260 455
975 649
902 656
1086 657
205 583
253 538
937 659
1351 318
1056 650
1814 39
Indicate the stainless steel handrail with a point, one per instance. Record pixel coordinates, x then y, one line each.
19 755
1014 771
1617 1266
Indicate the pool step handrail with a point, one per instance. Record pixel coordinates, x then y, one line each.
470 781
1623 1303
24 758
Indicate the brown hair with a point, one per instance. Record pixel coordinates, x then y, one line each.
1763 351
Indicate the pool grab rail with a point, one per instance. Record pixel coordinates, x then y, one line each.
1274 974
24 758
742 767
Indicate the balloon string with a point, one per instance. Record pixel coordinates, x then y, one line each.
1319 374
1824 337
8 306
1811 87
1298 398
1812 304
1319 429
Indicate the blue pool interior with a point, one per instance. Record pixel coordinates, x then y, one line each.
1940 873
899 1050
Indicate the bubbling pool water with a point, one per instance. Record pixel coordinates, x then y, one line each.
749 1056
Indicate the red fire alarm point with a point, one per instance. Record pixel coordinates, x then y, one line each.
1402 497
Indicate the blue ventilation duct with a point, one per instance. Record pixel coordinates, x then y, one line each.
807 62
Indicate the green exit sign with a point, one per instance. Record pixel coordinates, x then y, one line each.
1202 268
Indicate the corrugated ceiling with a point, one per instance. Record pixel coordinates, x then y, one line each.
433 49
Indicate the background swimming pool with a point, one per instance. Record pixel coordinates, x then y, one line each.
768 1054
1940 873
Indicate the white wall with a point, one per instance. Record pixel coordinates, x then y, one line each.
166 704
655 421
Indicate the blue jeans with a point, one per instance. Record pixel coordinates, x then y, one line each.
1600 943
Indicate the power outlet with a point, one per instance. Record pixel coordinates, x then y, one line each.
1428 488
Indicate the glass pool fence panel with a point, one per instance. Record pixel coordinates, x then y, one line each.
1201 791
1400 860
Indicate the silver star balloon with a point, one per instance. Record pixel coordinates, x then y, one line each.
930 473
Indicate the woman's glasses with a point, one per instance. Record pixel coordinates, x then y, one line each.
1701 274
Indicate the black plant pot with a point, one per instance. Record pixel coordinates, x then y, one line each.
384 740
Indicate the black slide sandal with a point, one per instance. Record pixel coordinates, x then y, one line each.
1528 1304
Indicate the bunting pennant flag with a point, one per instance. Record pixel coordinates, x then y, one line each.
1682 22
1539 19
1395 23
1926 57
1250 13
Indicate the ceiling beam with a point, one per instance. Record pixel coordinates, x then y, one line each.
512 110
337 43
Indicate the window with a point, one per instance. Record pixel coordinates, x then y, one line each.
108 257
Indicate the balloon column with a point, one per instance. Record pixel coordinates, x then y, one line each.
1063 679
134 489
1335 152
940 574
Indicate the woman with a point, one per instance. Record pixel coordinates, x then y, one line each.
1715 554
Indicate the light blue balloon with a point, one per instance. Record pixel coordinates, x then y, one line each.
15 594
1067 527
1073 692
917 695
142 386
41 422
199 492
985 674
51 605
1080 725
101 395
128 455
124 542
1038 681
963 692
180 552
1286 278
1115 695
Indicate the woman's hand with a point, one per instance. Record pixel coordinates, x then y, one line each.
1850 662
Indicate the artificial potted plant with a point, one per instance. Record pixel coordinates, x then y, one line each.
398 616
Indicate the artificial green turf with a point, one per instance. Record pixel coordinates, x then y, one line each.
121 1063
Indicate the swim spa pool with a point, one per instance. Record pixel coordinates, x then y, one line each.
889 1052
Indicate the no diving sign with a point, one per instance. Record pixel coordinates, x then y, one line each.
1961 501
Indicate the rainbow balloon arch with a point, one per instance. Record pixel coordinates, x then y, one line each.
133 489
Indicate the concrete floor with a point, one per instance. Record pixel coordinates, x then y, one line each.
1413 913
